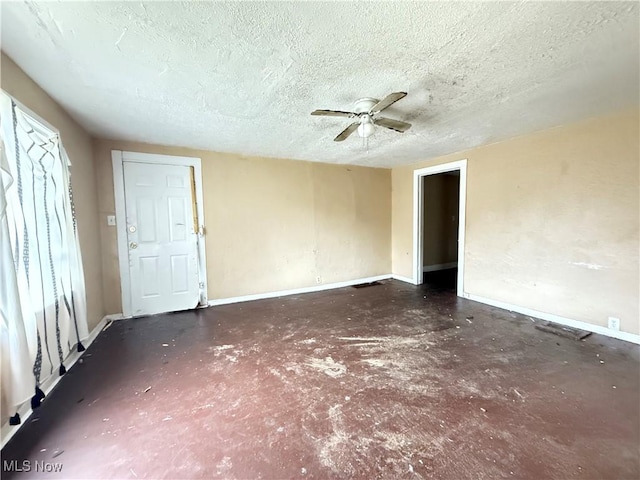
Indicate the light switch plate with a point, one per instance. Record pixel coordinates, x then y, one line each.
111 220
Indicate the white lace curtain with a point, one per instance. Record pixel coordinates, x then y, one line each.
42 291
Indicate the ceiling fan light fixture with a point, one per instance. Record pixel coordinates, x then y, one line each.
365 130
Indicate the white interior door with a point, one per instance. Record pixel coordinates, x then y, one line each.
161 237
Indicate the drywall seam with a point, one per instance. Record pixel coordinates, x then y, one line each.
297 291
627 337
8 431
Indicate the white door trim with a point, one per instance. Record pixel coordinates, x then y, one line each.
118 157
418 198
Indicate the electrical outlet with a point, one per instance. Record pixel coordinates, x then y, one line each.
318 279
614 323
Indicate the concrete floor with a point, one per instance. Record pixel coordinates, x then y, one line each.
389 381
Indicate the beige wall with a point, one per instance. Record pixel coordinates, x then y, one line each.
440 225
271 224
552 217
551 220
83 177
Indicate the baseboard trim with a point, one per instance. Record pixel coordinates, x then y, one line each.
296 291
8 431
439 266
627 337
402 278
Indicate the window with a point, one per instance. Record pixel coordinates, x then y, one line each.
41 279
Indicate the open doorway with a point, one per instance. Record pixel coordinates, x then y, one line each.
439 226
441 200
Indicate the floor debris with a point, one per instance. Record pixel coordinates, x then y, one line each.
364 285
563 331
370 397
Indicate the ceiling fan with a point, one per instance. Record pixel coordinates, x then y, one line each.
365 112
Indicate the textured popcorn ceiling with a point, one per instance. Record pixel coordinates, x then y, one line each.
243 77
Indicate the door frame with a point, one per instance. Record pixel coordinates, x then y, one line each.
418 218
118 158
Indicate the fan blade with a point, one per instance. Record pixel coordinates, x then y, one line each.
392 124
387 102
346 132
332 113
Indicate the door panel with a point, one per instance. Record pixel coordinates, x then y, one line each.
149 276
179 273
161 238
146 215
178 219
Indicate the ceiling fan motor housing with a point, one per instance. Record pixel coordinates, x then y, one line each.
363 107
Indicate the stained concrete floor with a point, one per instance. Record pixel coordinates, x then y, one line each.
389 381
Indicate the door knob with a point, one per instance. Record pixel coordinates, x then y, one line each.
133 245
